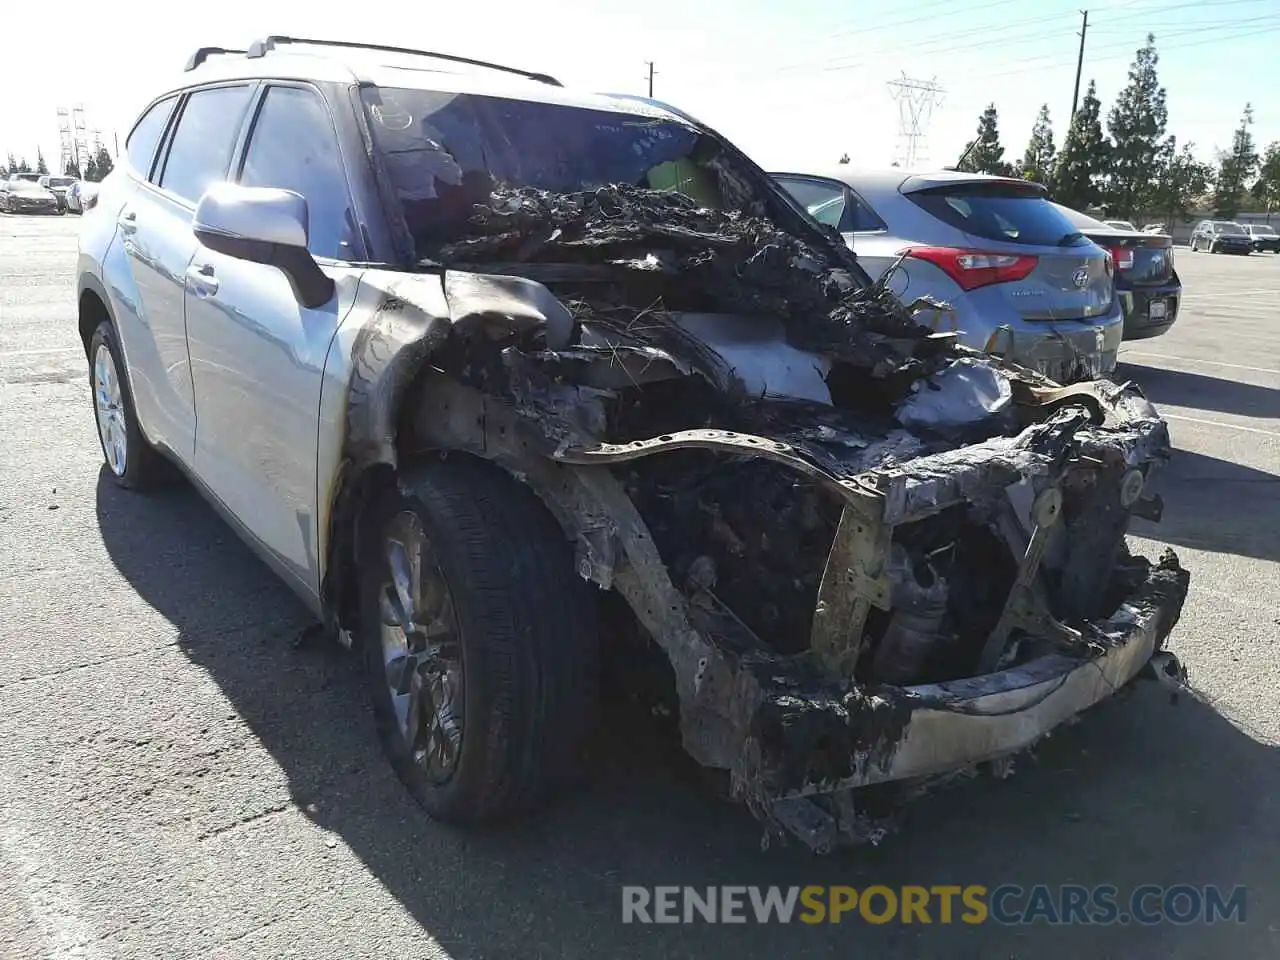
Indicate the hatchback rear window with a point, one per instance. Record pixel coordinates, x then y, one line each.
1004 212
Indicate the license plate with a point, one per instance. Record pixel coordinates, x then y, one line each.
1156 310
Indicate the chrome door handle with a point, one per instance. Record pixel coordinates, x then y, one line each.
128 223
202 280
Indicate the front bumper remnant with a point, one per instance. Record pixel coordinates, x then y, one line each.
936 729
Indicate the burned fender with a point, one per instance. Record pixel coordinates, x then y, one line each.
373 365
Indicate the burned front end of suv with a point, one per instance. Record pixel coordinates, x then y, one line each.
869 554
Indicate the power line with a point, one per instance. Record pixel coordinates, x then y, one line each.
1010 32
1053 33
1128 45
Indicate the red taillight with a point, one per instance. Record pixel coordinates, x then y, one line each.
975 268
1123 256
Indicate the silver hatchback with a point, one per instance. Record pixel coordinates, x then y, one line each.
1020 279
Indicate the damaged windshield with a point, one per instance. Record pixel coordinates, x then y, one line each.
446 152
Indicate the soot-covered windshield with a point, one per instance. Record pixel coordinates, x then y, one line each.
445 152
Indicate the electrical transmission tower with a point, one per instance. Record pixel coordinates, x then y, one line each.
80 136
916 100
66 143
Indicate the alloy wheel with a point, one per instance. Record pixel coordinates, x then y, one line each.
108 404
421 650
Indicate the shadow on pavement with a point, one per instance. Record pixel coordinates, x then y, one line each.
1201 392
1138 792
1216 505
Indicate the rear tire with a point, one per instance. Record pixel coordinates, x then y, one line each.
483 705
132 462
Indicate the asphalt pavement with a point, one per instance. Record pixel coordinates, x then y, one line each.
177 781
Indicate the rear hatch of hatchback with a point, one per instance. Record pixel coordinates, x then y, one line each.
1140 259
1011 239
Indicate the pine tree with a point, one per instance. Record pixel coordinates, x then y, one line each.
42 168
1082 161
1267 187
987 156
1183 181
91 170
23 166
1037 161
11 164
103 163
1137 125
72 170
1236 168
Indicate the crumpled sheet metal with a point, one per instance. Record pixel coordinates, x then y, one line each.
965 393
1134 435
497 307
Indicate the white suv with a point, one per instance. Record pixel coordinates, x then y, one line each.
490 372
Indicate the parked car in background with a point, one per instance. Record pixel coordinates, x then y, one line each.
1146 281
1221 236
1120 225
1021 280
27 196
1264 237
81 195
1155 228
58 187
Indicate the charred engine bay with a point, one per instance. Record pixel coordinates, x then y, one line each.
682 317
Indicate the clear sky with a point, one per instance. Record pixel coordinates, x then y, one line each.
793 82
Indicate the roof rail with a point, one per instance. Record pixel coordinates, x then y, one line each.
204 53
261 47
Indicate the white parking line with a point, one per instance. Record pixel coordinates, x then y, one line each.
1166 356
1197 296
1220 423
39 353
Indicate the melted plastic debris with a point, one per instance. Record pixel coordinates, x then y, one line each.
725 262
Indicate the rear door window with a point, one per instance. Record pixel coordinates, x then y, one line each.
1004 212
201 147
141 145
293 147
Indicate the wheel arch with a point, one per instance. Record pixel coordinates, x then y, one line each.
93 306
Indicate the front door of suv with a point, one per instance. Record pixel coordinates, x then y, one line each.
257 355
154 228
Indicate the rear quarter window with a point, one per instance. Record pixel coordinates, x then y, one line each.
140 147
1005 213
833 204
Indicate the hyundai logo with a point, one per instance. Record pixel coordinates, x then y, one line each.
1081 278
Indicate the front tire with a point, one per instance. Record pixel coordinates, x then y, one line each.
479 642
132 462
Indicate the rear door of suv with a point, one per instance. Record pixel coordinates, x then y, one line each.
154 230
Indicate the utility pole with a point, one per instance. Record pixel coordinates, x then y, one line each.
649 63
1075 96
